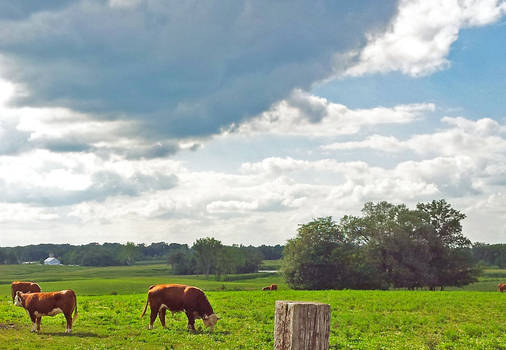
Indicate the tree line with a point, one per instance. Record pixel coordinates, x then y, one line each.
209 256
389 246
184 259
493 255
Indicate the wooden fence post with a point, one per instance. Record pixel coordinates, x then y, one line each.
300 325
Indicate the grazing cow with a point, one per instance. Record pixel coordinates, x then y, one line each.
25 287
501 287
176 298
48 304
271 287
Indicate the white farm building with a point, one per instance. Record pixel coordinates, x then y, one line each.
51 260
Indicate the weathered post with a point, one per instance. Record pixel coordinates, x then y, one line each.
300 325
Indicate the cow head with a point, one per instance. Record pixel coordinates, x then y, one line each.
18 299
210 321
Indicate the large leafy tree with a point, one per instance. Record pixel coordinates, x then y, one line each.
388 246
415 248
390 236
207 251
322 257
451 257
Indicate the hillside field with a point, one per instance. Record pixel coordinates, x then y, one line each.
111 299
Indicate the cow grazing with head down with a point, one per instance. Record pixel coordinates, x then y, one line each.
176 298
48 304
271 287
501 287
25 287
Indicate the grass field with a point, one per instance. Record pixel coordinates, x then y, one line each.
359 320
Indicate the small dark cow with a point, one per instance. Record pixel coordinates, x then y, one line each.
25 287
501 287
48 304
271 287
176 298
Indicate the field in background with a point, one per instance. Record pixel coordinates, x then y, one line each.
122 279
271 265
136 279
487 282
360 319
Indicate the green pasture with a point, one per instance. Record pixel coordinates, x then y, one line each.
123 279
271 265
487 282
457 319
360 320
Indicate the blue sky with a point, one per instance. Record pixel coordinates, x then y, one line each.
473 84
151 120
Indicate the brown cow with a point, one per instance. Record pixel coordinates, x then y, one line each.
501 287
48 304
271 287
25 287
176 298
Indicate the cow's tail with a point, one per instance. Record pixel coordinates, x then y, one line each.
75 310
145 308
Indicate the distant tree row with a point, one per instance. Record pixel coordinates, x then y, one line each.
185 260
490 254
209 256
389 246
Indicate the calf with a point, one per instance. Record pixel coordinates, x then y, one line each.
501 287
48 304
176 298
25 287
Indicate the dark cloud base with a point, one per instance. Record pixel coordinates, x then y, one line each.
179 68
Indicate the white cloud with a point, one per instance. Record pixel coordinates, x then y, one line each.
262 203
307 115
484 138
420 36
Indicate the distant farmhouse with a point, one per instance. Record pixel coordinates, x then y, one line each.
51 260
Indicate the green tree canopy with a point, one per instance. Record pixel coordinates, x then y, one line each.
207 251
388 246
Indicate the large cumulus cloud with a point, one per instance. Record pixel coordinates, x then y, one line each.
185 68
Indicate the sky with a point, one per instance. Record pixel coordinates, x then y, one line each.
156 120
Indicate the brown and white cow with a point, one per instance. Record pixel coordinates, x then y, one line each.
501 287
271 287
176 298
48 304
25 287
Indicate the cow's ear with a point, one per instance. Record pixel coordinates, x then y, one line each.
205 317
18 292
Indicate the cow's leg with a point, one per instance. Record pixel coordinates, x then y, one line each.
191 321
38 323
152 318
68 317
34 322
161 315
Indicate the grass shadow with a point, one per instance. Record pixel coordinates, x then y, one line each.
7 326
76 334
198 331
